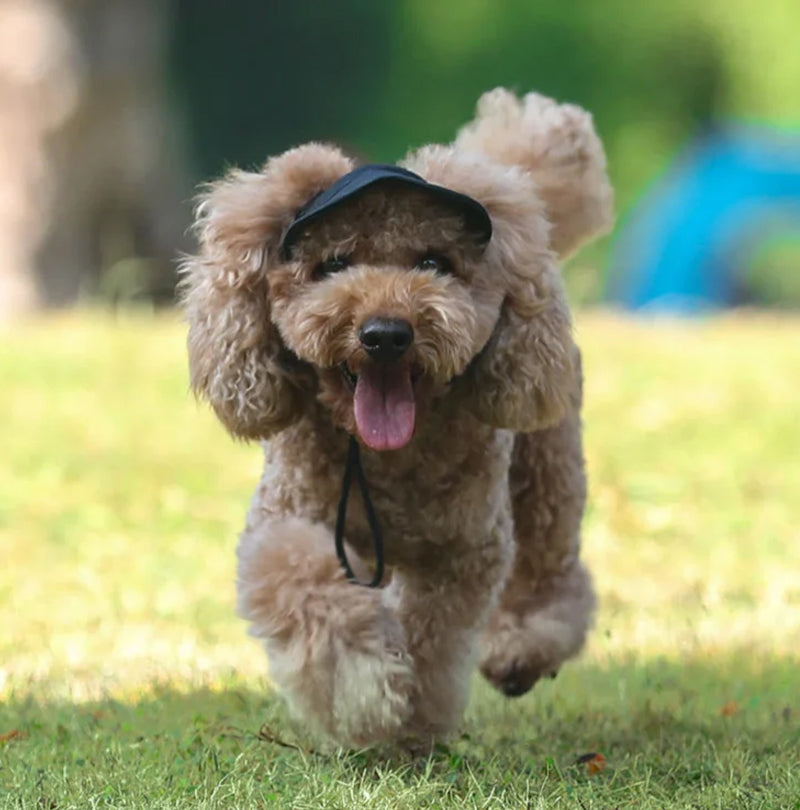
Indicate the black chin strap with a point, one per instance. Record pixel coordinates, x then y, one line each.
354 464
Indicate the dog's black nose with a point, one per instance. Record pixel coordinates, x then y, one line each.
386 339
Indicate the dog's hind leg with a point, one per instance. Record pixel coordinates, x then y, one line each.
336 652
547 603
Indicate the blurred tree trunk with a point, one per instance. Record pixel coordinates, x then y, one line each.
92 180
38 89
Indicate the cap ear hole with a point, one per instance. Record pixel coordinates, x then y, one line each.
475 216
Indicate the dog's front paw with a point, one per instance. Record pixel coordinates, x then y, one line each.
348 675
535 630
372 691
514 678
335 650
518 650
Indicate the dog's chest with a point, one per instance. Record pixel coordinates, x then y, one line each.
432 498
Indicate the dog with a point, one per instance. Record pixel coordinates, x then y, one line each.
406 328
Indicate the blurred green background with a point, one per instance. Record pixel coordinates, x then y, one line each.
381 78
384 77
159 95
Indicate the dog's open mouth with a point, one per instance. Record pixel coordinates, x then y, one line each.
384 404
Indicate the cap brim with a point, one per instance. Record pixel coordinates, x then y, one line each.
476 218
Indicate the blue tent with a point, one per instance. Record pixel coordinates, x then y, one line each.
688 239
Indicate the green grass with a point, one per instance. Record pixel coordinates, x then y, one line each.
127 681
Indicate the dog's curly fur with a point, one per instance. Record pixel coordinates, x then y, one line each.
481 510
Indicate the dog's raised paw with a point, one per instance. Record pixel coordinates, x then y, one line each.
516 679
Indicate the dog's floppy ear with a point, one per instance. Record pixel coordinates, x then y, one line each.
540 170
556 144
236 358
526 375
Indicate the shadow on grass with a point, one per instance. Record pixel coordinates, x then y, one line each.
674 725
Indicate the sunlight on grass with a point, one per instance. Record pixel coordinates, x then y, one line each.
119 509
693 531
121 499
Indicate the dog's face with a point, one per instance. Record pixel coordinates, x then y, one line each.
384 304
389 299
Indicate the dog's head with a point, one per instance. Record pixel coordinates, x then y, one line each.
383 305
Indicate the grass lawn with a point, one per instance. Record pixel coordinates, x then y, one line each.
127 681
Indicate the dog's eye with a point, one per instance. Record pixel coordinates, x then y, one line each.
436 262
330 266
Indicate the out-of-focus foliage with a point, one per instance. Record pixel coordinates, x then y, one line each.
96 177
260 77
773 275
383 77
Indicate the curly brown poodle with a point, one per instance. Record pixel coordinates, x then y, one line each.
451 360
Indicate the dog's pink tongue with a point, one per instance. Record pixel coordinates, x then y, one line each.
384 406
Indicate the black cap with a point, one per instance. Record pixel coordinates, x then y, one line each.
476 219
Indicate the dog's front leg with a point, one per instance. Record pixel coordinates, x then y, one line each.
443 608
335 650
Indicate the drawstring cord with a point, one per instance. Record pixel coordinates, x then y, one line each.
353 465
